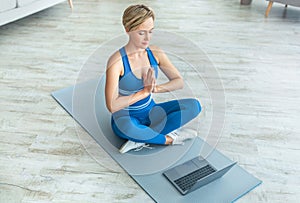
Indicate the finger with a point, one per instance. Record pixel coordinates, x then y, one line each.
151 72
145 77
148 72
149 76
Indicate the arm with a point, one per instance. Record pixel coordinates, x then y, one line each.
116 102
175 79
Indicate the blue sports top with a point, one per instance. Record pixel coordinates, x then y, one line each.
130 84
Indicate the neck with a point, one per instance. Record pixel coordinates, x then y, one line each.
131 49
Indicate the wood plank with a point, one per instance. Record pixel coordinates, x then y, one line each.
46 157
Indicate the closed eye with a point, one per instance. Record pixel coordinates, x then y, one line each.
143 32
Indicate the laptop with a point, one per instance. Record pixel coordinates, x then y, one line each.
194 174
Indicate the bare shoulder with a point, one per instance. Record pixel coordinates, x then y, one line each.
156 49
115 62
157 52
114 59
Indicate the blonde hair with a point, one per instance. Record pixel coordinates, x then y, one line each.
135 15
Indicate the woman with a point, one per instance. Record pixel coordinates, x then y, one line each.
130 82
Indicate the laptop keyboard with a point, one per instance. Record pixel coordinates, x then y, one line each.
187 181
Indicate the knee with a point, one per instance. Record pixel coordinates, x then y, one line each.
194 107
121 126
125 129
199 108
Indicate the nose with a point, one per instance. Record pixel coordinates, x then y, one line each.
147 36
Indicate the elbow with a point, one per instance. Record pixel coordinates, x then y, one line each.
111 108
181 83
109 102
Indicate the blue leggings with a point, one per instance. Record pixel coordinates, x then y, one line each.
152 124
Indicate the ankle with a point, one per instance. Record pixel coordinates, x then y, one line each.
169 140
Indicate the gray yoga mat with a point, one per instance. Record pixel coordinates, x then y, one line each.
85 102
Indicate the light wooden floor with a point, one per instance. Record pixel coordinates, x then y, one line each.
41 156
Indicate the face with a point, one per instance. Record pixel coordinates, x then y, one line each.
142 35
